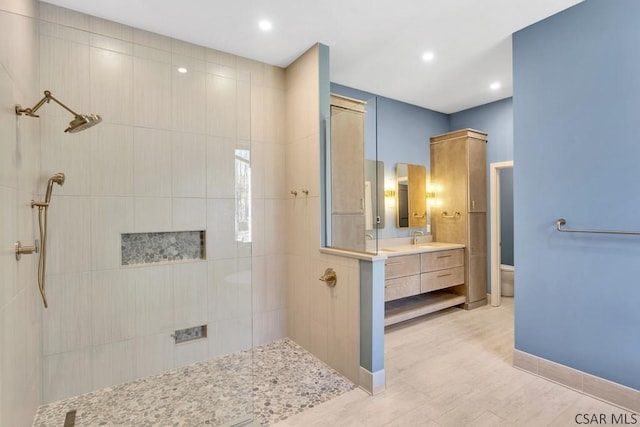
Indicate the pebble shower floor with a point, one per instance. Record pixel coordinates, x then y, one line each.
286 380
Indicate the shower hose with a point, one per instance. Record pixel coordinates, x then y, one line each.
42 261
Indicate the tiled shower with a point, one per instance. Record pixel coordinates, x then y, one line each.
164 160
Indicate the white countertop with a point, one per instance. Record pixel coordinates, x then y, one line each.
391 251
388 251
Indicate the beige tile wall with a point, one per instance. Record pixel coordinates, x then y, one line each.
20 324
162 160
323 320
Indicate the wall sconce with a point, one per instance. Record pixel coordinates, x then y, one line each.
389 188
432 193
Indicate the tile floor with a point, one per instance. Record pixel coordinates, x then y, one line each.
454 368
283 378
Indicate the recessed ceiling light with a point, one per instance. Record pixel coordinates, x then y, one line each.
182 70
265 25
428 56
495 86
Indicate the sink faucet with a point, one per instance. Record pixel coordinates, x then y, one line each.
414 240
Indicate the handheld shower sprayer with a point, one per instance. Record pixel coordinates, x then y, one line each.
43 211
79 123
58 179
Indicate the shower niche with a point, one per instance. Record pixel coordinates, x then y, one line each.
170 246
190 334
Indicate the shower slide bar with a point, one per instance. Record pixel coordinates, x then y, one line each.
561 221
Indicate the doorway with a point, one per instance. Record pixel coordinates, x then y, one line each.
496 222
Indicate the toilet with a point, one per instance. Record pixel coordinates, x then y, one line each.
506 280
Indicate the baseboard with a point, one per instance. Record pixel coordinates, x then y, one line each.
372 382
476 304
608 391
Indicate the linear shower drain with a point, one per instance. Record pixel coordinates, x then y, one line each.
70 419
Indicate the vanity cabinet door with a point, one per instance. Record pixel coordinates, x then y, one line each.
431 261
477 175
400 266
449 170
441 269
347 161
441 279
401 287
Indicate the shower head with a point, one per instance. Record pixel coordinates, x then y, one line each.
58 178
81 121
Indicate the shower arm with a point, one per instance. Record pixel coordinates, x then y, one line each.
47 97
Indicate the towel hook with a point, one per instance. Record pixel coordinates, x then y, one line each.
329 277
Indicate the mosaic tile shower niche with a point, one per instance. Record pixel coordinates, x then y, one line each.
147 248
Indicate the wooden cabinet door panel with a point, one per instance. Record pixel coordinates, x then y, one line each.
477 175
399 266
347 161
401 287
439 260
441 279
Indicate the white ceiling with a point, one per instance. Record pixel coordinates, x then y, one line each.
375 45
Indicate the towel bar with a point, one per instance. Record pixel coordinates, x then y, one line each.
561 221
445 214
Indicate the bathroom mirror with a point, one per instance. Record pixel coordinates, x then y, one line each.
374 194
411 195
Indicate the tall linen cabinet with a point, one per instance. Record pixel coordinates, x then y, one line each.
347 173
458 173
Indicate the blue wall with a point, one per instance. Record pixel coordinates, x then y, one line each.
576 114
402 131
496 119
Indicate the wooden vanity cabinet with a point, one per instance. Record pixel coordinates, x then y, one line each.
402 277
442 269
419 284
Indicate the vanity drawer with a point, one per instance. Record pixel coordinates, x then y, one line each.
401 287
399 266
441 279
442 259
